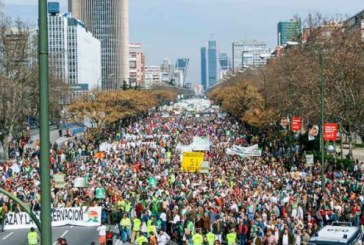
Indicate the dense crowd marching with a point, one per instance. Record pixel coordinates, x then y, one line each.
252 200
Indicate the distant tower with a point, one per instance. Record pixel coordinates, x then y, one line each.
108 20
212 63
204 68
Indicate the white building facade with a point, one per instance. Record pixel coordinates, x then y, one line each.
152 76
248 54
75 54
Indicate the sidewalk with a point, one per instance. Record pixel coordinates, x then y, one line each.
53 136
358 153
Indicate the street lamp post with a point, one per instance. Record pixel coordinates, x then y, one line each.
45 215
322 148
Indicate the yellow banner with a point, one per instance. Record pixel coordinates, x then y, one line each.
191 161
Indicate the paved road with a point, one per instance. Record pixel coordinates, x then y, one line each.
74 235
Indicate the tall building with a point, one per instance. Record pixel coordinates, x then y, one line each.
224 65
356 22
166 66
204 68
212 70
248 54
75 54
137 64
182 67
152 76
288 31
108 21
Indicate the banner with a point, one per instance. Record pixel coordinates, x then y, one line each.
191 161
330 131
201 143
59 216
59 180
296 124
250 151
198 144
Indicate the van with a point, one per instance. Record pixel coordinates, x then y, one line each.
337 233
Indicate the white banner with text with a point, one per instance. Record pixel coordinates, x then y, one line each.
60 216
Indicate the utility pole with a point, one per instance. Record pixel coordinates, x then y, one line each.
45 216
322 147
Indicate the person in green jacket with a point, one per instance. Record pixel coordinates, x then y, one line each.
231 237
141 240
197 239
210 238
135 229
33 237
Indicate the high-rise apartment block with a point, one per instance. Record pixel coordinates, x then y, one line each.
288 31
249 54
152 76
108 21
75 54
137 64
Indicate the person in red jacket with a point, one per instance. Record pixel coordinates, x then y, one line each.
243 230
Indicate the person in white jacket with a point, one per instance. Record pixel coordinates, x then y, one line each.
163 238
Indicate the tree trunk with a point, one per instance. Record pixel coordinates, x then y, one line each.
350 143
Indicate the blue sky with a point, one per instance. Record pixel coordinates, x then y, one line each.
178 28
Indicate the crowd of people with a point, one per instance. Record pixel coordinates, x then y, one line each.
241 200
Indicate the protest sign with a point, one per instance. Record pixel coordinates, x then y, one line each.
100 193
80 182
191 161
59 180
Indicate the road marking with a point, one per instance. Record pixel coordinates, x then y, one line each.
64 233
8 235
71 227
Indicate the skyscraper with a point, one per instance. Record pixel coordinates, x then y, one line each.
288 31
182 66
224 61
203 68
224 65
212 63
248 54
108 21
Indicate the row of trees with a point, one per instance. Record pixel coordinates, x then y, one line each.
290 84
19 81
104 109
